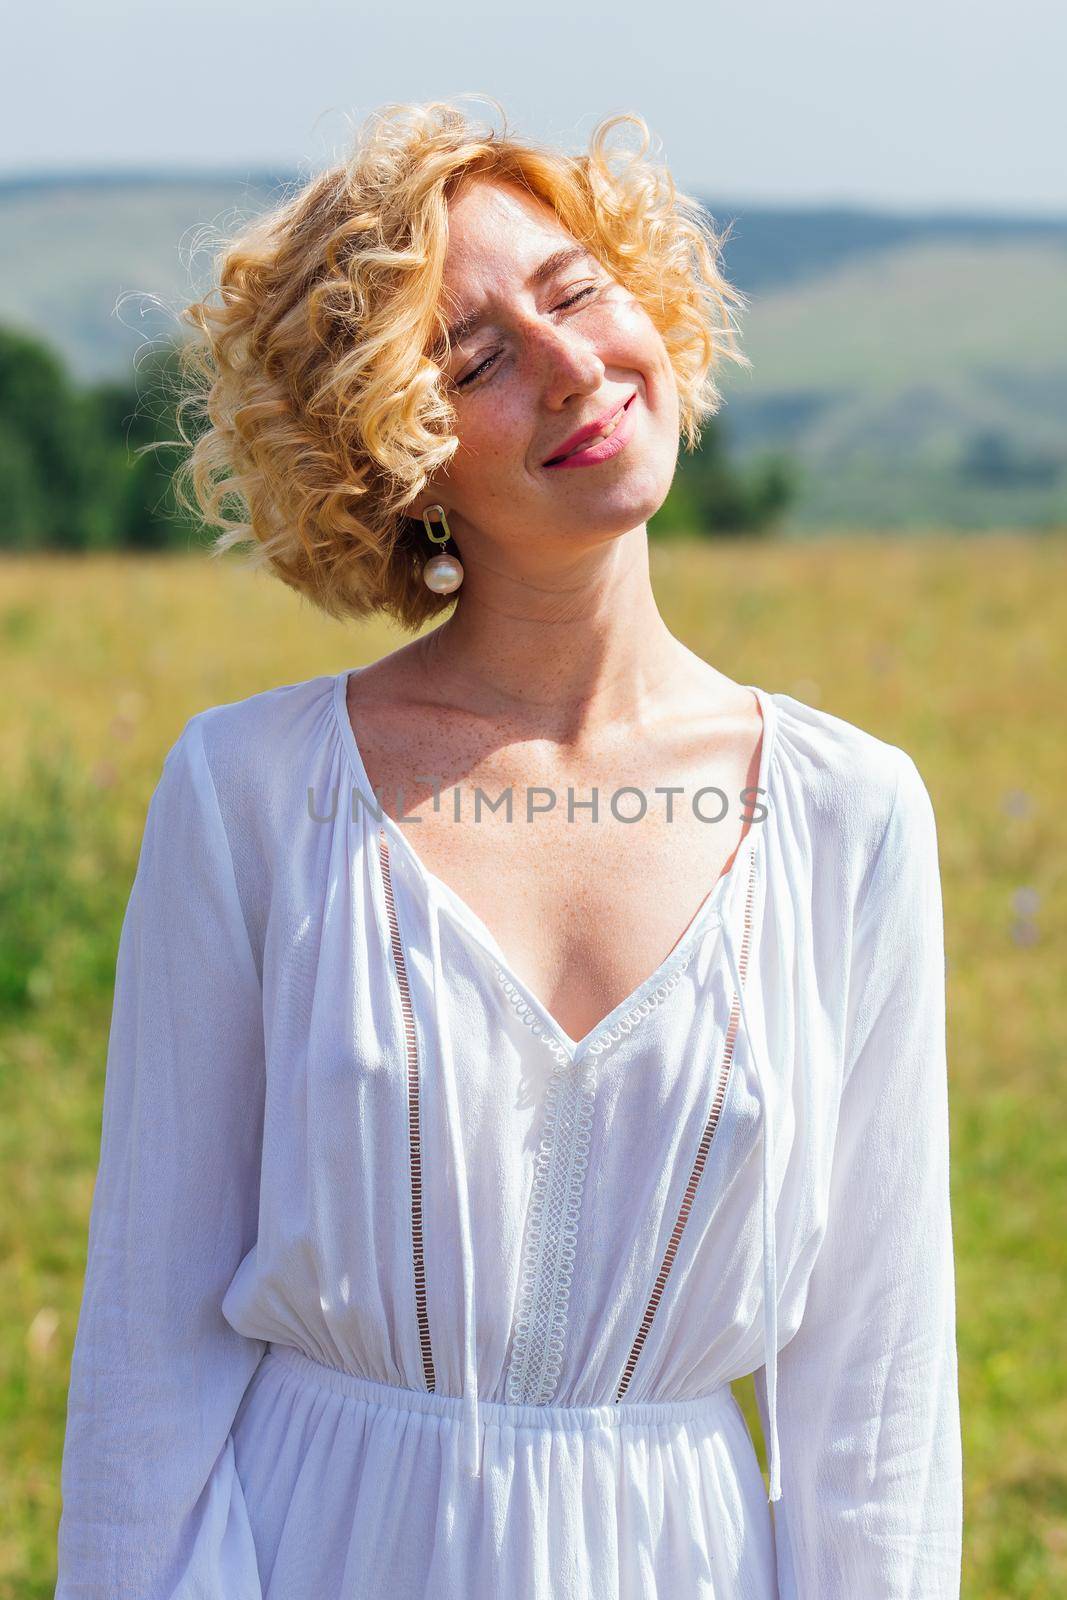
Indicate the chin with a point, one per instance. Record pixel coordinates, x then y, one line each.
618 516
647 486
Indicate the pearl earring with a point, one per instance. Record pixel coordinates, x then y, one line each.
442 573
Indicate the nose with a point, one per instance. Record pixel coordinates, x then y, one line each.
565 362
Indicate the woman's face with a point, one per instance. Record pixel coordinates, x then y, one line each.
553 354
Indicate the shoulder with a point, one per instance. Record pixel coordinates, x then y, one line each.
846 789
257 755
239 771
262 726
256 751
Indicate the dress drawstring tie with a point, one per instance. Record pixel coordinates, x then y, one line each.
761 1078
470 1431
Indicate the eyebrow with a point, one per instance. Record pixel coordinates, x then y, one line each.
549 267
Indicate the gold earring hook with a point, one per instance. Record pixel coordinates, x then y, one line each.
438 538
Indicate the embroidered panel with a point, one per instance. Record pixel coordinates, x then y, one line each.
551 1236
556 1201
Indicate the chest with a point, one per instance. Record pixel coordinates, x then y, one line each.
586 875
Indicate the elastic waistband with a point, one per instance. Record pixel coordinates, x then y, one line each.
499 1413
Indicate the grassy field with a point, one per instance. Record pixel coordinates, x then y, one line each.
953 649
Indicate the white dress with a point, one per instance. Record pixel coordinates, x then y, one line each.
394 1289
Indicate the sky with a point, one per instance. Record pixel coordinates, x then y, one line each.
919 105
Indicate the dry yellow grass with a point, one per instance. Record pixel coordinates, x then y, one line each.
952 648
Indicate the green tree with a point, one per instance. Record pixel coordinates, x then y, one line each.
54 473
133 415
712 495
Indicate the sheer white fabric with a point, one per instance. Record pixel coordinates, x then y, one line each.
393 1287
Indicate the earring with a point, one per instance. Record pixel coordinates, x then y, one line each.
442 573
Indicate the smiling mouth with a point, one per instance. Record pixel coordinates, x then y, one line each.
596 438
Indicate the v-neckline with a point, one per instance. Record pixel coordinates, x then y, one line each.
435 886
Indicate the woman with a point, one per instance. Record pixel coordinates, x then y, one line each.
445 1185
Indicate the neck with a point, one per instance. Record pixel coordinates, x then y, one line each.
581 641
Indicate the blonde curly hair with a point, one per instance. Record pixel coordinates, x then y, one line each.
316 374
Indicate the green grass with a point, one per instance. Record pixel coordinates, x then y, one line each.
953 649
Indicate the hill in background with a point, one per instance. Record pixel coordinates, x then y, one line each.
915 367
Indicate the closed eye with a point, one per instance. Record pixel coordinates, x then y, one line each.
482 366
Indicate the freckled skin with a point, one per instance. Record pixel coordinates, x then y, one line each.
555 370
555 669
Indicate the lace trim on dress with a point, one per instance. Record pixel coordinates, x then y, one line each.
532 1021
556 1200
552 1232
607 1036
414 1134
629 1020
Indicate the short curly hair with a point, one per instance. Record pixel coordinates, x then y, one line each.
316 374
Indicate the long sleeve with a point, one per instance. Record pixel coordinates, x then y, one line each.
152 1503
867 1397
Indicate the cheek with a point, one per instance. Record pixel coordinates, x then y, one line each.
630 321
492 432
632 340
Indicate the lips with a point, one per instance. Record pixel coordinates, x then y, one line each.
586 435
